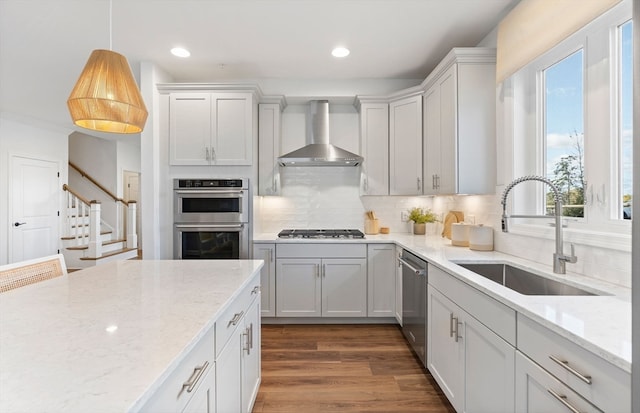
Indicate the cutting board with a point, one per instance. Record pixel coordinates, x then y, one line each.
451 218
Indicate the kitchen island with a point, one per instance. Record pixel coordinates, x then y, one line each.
107 338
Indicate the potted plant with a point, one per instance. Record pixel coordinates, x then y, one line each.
421 217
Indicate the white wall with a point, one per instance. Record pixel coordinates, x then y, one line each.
27 137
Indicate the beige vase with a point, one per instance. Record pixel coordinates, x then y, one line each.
419 229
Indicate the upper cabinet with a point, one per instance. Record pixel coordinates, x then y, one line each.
405 146
374 147
269 135
459 124
211 127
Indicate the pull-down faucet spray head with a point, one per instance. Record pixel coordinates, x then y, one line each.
505 194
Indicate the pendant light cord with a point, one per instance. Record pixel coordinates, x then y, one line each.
111 25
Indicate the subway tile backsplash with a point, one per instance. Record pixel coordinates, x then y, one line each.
329 197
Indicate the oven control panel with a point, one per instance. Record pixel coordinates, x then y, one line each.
210 183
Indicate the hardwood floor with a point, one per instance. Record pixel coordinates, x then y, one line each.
343 368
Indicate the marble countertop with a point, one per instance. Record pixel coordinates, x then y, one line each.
102 339
600 324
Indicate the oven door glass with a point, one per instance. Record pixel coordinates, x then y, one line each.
210 243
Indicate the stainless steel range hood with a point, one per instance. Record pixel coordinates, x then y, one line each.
319 152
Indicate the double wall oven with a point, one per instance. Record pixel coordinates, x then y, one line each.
212 219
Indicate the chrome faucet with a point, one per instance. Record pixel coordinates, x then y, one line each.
559 259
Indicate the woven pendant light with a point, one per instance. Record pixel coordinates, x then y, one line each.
106 97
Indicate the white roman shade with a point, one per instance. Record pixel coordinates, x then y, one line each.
535 26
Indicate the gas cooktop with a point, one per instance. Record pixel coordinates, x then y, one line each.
321 233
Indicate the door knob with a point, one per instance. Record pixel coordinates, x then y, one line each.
17 224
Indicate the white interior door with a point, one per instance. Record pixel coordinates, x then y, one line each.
34 205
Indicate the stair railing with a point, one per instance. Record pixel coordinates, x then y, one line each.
77 210
128 230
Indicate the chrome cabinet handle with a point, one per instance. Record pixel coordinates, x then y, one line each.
235 319
195 377
433 181
246 348
565 365
563 399
451 318
271 255
418 183
317 270
456 329
213 154
324 270
255 290
206 153
251 335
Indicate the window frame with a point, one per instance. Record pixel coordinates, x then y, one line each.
600 225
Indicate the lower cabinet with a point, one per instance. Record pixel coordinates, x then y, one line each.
321 280
203 399
473 365
267 252
539 392
328 287
381 280
238 353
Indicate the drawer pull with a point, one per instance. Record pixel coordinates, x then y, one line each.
255 290
565 364
235 319
195 377
563 400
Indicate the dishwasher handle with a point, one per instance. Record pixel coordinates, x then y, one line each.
418 271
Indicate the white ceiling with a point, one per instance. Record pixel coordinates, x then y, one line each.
44 44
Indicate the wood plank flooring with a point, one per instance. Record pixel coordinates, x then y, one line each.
343 368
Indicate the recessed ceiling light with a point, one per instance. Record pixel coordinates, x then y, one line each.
180 52
340 52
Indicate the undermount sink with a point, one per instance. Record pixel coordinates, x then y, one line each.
522 281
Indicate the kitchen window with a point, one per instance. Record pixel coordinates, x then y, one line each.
572 120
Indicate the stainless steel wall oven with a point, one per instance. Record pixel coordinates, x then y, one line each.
212 218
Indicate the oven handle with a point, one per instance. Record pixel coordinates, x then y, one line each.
209 226
208 192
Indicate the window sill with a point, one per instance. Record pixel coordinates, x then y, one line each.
599 239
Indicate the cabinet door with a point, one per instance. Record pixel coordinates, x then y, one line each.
405 146
203 399
228 375
251 356
344 287
298 287
431 139
381 280
267 253
447 177
269 117
539 392
489 364
189 128
374 147
444 355
232 134
398 272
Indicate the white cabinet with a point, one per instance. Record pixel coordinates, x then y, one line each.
237 337
374 147
211 128
602 384
537 391
459 124
381 280
269 134
267 253
398 272
203 399
321 280
405 146
473 365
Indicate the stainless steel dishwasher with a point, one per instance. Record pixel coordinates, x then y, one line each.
414 303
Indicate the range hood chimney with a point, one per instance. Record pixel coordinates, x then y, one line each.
319 152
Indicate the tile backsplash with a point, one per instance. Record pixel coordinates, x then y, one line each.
329 197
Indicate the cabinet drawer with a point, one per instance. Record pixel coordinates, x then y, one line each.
228 321
337 250
609 387
493 314
176 391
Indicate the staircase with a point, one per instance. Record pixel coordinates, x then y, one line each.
88 240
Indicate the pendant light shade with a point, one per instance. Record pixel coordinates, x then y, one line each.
106 97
